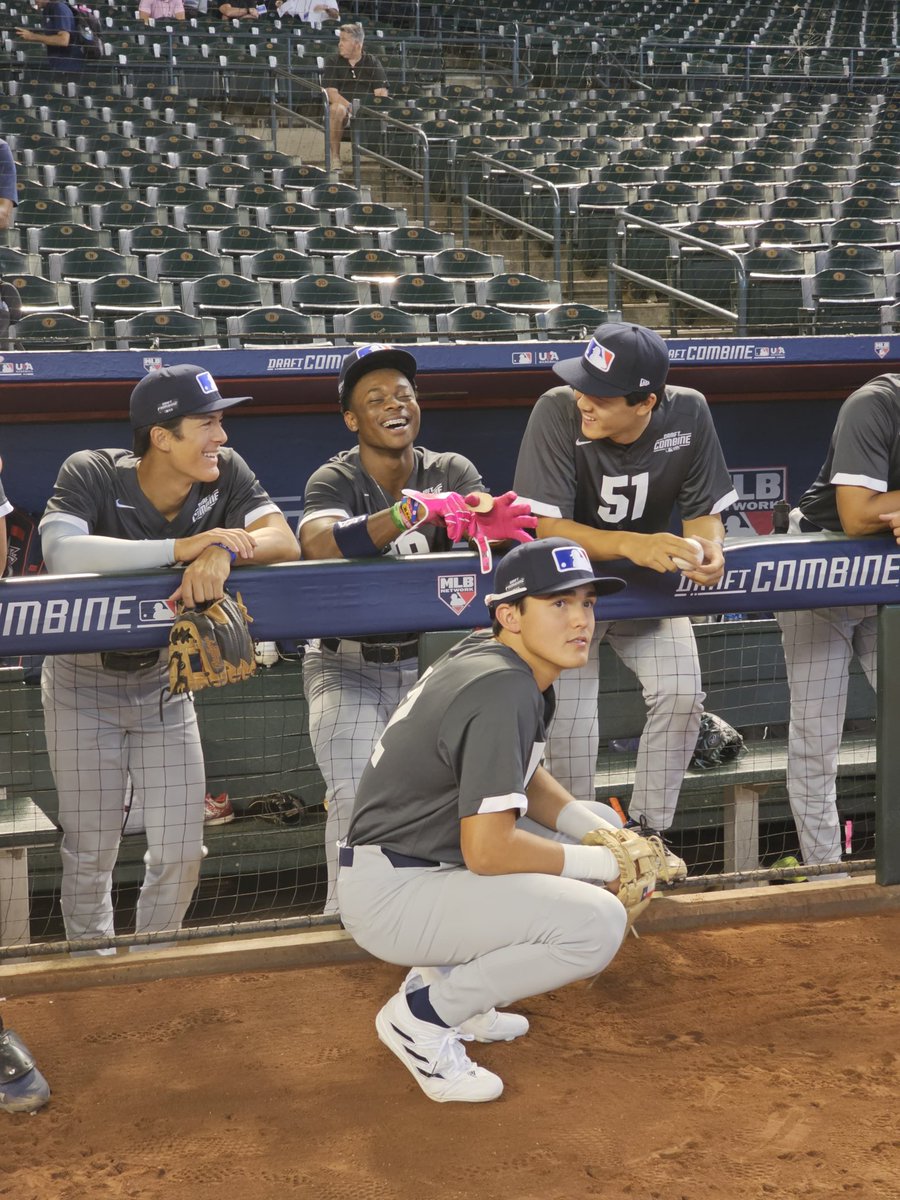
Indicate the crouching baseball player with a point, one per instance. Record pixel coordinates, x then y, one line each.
179 497
438 873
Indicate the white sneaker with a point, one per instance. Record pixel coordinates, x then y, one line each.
434 1056
677 867
490 1026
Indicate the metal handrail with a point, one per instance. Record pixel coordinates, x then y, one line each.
615 270
424 177
469 201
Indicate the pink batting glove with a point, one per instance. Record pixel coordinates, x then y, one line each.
443 508
502 518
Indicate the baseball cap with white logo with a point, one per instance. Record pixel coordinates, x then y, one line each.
618 359
373 357
180 391
545 567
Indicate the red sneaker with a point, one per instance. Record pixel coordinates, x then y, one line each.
217 810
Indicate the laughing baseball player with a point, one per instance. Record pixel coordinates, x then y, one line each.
440 874
354 508
604 461
178 497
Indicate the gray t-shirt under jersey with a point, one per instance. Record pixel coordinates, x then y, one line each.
676 460
466 740
98 492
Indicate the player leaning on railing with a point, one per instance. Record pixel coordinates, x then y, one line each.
180 497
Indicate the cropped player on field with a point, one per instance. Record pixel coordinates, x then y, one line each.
178 497
857 492
605 461
439 873
355 508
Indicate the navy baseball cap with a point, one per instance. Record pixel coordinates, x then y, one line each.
545 567
618 359
372 358
182 391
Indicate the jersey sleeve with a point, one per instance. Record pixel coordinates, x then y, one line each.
488 737
863 437
5 507
707 489
247 500
545 471
328 494
77 492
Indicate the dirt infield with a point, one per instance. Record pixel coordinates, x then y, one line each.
720 1064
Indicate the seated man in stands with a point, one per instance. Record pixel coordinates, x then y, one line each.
314 12
349 75
161 10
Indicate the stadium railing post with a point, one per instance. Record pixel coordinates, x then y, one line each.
887 777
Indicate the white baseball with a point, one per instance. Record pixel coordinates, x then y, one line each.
684 564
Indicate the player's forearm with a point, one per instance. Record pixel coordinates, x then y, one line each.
73 553
273 545
861 509
319 540
514 852
709 527
546 798
600 544
6 213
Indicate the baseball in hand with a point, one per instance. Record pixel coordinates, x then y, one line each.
684 564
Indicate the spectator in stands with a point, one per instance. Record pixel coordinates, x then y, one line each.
59 35
241 12
9 195
605 462
351 74
161 10
857 492
314 12
354 508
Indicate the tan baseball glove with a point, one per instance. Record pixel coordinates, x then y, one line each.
210 646
641 860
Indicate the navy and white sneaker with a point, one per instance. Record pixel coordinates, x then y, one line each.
490 1026
23 1089
677 866
434 1056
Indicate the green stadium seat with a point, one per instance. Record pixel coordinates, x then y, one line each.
164 330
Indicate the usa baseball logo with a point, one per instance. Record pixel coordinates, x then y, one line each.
457 591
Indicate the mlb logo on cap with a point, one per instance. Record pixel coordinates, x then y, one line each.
571 558
599 356
206 383
372 348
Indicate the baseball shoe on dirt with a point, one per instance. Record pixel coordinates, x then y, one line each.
490 1026
434 1056
677 866
217 810
23 1089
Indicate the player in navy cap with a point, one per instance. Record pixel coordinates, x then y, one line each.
605 461
354 507
443 873
179 498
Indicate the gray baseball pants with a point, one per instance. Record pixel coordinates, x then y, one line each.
506 936
350 701
663 656
102 727
818 646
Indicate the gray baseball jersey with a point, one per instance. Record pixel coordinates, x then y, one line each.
676 460
864 450
475 727
98 491
5 506
342 488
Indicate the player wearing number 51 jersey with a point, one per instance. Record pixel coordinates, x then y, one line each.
605 462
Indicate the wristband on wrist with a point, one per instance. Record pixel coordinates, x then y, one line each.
352 538
589 863
222 546
407 513
576 819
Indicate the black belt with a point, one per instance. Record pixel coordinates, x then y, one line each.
377 652
345 858
129 660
